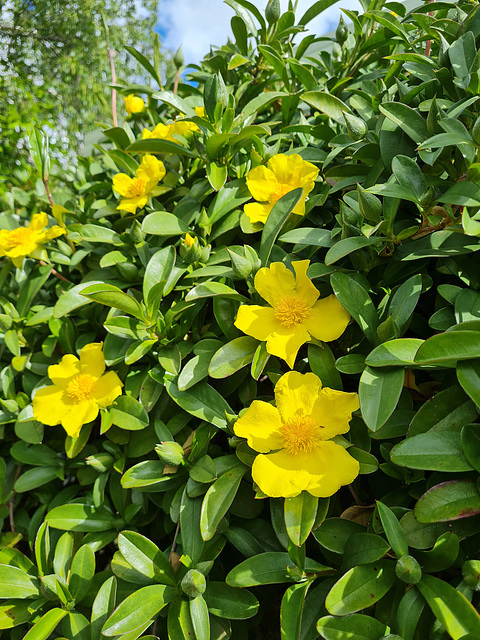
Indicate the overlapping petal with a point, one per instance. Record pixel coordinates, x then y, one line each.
122 183
257 212
48 405
286 341
258 322
321 472
293 170
296 394
333 411
304 287
262 183
132 204
106 389
260 425
327 319
275 282
61 374
91 359
77 415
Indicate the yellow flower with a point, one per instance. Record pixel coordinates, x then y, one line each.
294 315
169 131
200 111
79 390
268 184
298 431
27 241
137 190
189 240
134 104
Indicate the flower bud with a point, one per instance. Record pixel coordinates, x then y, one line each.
408 570
356 127
170 453
190 249
133 104
471 573
194 583
341 34
178 58
272 11
242 267
101 462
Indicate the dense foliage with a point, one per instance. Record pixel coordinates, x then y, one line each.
240 374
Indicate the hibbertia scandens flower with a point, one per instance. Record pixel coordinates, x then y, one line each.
294 439
133 104
177 128
80 389
136 191
268 184
28 241
295 314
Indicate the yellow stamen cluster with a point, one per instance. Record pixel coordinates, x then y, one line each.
281 190
20 236
291 310
301 435
80 388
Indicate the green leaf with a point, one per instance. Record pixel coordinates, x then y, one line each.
218 499
201 401
309 236
37 477
353 627
449 500
360 587
158 145
437 245
15 583
45 626
161 223
394 353
322 364
299 514
433 451
452 609
363 548
103 605
217 175
261 101
449 347
393 530
228 602
379 391
213 290
232 356
190 513
470 436
343 247
468 374
80 517
72 299
333 533
409 175
14 613
291 610
146 64
232 196
179 621
138 608
82 571
30 287
447 410
265 568
159 269
325 103
200 618
128 413
443 554
313 11
462 53
353 297
75 625
146 557
95 233
112 296
148 476
404 301
275 221
407 119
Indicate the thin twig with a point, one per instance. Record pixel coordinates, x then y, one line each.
56 274
174 544
11 502
177 80
354 494
112 71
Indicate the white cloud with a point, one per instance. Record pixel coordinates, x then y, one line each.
197 24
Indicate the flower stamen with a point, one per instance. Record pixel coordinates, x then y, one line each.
291 310
80 388
20 236
280 191
301 435
136 188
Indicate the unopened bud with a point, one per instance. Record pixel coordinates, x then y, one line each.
272 11
178 58
242 267
190 249
170 453
341 34
356 127
101 462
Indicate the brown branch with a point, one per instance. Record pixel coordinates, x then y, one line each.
177 80
114 81
49 195
56 274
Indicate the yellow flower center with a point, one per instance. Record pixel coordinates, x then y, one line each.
291 310
136 188
17 237
280 191
80 387
301 435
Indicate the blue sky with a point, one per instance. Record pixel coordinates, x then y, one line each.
196 24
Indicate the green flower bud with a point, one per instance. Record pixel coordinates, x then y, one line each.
194 583
356 127
471 573
101 462
178 58
242 267
170 453
136 232
408 570
190 249
341 34
272 11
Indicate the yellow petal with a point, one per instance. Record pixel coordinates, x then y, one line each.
286 342
294 171
48 405
261 183
303 285
260 424
146 134
256 321
161 131
257 212
274 283
200 111
61 374
151 169
333 411
39 222
20 251
77 415
121 183
327 319
53 232
92 360
106 389
321 472
296 393
132 204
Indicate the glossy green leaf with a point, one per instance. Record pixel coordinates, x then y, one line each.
146 557
265 568
230 602
80 517
202 401
470 437
360 587
322 364
45 626
15 583
82 571
353 297
192 541
218 499
363 548
394 353
393 530
300 513
407 119
434 451
379 391
449 347
353 627
232 356
162 223
103 605
448 500
112 296
128 413
443 554
326 103
291 610
333 533
275 221
468 374
348 245
200 618
447 410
